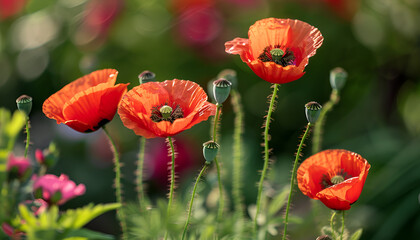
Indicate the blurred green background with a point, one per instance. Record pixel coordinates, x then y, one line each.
45 44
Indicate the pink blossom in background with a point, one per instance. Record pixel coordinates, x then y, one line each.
50 184
37 206
39 156
11 232
98 18
22 164
9 8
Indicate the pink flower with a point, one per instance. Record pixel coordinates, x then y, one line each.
56 190
9 8
11 232
18 167
37 206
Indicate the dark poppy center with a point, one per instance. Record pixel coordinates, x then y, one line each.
327 182
277 55
166 113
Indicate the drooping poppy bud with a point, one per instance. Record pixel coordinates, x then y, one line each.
24 104
210 150
221 90
312 111
338 77
147 76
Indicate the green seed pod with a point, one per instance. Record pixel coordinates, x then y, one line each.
312 111
221 90
338 77
210 150
229 75
24 104
147 76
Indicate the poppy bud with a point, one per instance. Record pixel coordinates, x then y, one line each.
338 77
48 157
210 150
24 104
229 75
147 76
324 237
312 111
221 90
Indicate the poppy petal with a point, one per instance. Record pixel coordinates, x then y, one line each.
274 73
94 106
341 196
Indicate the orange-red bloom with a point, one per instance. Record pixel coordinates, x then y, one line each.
87 103
296 40
185 104
335 177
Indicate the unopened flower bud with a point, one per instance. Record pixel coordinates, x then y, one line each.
324 237
221 90
18 168
147 76
210 150
312 111
48 157
338 77
24 104
229 75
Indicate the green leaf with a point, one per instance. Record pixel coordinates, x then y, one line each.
356 235
16 124
77 218
278 202
82 234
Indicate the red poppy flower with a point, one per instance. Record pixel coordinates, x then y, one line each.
335 177
277 49
163 109
87 103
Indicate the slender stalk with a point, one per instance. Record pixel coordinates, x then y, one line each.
332 224
327 107
139 180
237 159
28 137
342 225
192 200
266 154
172 187
219 179
292 180
118 192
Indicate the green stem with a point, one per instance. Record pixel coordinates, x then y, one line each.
219 178
292 180
317 137
118 193
332 224
28 137
266 154
192 200
237 158
172 187
139 180
342 226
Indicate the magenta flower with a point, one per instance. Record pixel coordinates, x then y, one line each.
18 167
11 232
56 190
37 206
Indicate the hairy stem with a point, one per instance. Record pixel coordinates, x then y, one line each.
192 200
139 180
28 137
342 225
172 187
237 158
332 224
118 193
292 180
266 154
317 137
219 178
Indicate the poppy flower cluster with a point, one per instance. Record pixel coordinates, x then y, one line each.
164 109
277 50
87 103
335 177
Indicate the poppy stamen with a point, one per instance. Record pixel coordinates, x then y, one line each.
166 113
278 56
